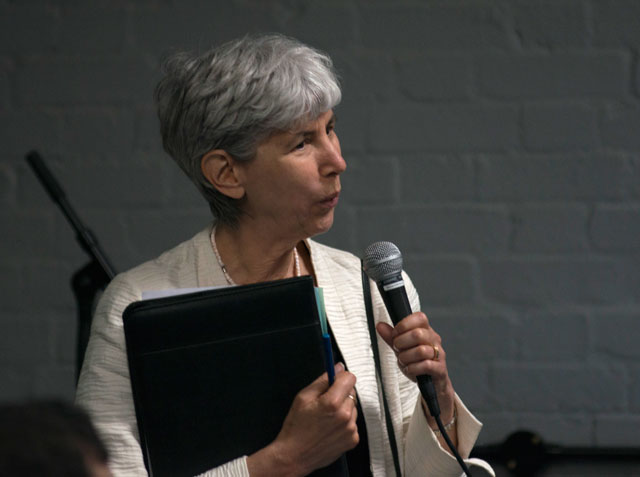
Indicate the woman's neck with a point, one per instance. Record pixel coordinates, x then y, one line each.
251 256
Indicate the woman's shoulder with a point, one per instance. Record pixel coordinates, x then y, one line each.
174 268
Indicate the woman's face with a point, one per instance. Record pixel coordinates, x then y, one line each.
293 183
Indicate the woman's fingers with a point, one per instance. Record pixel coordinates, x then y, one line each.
321 423
412 331
419 353
414 320
417 346
321 384
386 332
337 396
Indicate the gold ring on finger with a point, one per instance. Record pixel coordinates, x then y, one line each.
436 352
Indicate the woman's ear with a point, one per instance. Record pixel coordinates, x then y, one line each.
219 169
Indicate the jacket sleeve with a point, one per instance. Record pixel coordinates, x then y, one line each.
423 454
104 388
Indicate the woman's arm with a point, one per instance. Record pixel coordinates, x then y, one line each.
104 388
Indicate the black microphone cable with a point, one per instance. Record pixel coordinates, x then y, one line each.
382 263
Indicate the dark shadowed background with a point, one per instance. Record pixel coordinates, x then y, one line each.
497 143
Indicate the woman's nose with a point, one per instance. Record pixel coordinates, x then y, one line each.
332 160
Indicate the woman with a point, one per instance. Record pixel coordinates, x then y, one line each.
252 124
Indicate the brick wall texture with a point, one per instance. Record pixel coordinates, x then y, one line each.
496 142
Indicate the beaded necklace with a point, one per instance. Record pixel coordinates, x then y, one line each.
296 260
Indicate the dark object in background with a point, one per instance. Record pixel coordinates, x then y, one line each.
94 276
49 439
525 454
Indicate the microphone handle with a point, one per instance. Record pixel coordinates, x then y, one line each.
397 303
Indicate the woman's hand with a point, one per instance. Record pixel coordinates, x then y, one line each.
419 351
320 426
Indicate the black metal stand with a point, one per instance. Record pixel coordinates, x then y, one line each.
90 279
87 283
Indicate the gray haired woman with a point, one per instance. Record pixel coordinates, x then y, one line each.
252 124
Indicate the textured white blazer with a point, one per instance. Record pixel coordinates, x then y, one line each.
104 389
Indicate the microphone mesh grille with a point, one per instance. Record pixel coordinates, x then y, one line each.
382 260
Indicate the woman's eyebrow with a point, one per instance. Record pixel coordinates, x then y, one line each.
303 132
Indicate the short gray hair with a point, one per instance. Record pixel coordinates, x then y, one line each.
233 97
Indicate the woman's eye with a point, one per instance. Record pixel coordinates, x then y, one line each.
299 146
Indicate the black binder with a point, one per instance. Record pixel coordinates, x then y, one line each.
214 373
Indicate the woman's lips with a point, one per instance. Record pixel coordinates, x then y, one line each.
331 201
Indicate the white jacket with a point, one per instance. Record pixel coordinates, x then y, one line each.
104 389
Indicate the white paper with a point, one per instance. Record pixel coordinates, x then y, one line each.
151 294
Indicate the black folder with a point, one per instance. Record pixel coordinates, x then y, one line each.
214 373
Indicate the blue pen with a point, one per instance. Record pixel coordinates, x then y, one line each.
328 359
326 338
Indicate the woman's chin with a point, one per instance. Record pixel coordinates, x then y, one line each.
322 226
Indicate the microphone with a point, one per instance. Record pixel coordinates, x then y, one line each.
382 263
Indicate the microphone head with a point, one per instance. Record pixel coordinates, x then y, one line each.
382 260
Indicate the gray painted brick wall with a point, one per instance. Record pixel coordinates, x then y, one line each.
496 142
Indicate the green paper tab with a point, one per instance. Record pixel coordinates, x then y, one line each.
321 311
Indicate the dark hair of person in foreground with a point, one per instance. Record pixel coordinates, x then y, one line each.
49 439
